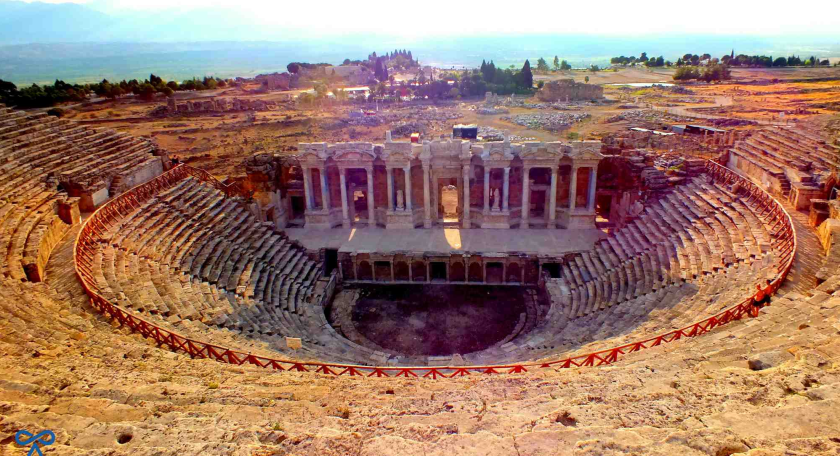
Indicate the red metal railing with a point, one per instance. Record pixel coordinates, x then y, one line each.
784 242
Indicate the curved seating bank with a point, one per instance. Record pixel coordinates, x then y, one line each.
177 258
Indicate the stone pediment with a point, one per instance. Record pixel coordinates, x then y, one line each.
312 152
586 150
541 152
352 152
496 152
400 152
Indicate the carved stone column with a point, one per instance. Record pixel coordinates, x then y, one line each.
345 215
307 187
526 197
390 177
466 196
371 214
573 189
486 190
427 204
552 201
325 190
593 175
435 199
506 190
408 189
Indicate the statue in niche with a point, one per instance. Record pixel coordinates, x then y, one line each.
400 200
496 199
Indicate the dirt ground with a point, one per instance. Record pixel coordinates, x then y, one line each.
219 142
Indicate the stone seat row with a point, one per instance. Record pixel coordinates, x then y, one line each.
187 303
41 146
689 233
22 230
802 145
672 307
188 256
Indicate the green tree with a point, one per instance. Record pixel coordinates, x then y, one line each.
321 91
780 62
542 65
686 73
564 66
7 91
526 76
556 63
115 92
716 72
147 92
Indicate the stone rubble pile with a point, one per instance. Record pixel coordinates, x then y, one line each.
428 119
550 122
494 134
487 111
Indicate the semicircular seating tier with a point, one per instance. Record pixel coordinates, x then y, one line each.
51 168
791 164
200 264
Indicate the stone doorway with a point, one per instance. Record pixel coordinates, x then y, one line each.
297 208
449 208
330 261
554 270
357 193
437 270
495 273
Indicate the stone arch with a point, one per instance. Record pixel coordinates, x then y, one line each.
456 272
365 270
401 271
418 271
514 273
347 269
476 272
532 270
494 272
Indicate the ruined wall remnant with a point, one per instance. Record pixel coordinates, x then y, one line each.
569 90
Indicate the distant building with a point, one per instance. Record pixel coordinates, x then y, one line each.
275 81
465 131
695 130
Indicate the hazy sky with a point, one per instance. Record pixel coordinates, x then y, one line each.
469 17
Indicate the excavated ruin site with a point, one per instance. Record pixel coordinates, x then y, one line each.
515 295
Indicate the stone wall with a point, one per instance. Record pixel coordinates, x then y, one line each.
219 105
569 90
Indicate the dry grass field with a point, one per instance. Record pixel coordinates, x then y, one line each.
219 142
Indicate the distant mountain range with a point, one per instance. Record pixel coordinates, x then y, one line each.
38 22
40 42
